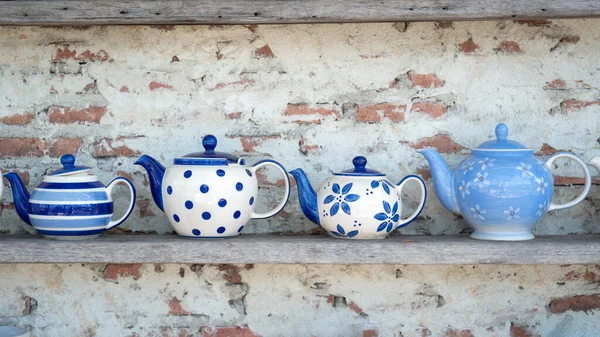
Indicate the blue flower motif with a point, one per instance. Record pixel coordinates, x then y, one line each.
340 198
388 217
342 233
384 183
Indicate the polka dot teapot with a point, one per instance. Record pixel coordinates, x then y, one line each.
209 194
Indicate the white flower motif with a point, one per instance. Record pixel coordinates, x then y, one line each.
526 170
486 162
478 212
543 208
481 179
512 213
468 166
541 185
464 188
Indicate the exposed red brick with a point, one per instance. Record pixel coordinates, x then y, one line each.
444 24
424 172
371 113
174 58
252 28
443 143
113 272
370 333
304 148
556 84
68 115
27 305
264 52
143 207
567 181
263 180
303 109
579 84
233 115
22 119
22 173
546 150
157 85
468 47
65 54
231 273
575 303
519 331
534 23
424 80
425 332
243 81
573 39
354 307
458 333
108 147
508 47
590 276
433 109
159 268
249 143
176 309
572 105
124 174
22 147
124 89
233 331
64 145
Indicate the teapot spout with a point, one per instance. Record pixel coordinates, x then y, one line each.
20 195
155 174
307 196
442 179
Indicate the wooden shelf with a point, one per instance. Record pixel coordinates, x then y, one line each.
123 12
314 249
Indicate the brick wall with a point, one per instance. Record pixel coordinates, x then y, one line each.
310 96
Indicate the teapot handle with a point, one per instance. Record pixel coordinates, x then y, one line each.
109 188
586 187
399 187
286 182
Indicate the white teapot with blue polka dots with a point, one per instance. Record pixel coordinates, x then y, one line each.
209 194
358 203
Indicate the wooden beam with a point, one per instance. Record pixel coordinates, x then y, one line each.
315 249
124 12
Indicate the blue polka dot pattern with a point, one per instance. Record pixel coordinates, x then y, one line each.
237 214
249 173
220 173
195 231
206 215
169 189
240 229
176 217
222 203
189 204
221 230
204 188
239 186
187 173
251 201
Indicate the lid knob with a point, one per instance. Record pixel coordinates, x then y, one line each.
501 131
67 161
359 163
209 142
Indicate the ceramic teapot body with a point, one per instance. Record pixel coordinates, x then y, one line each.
209 194
501 190
361 204
69 204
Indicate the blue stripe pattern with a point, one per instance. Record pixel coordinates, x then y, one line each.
71 233
70 186
40 224
60 195
86 209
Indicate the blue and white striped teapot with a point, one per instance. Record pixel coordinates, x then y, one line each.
70 203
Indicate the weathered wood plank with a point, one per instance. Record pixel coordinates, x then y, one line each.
108 12
270 249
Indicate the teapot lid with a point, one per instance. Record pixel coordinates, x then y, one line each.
359 169
209 156
501 143
69 167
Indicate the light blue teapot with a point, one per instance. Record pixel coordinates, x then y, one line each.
502 189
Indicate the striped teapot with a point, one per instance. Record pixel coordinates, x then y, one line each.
70 203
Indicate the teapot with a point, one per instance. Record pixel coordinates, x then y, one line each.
70 203
502 189
209 194
358 203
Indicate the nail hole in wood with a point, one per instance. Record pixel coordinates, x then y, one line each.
157 13
543 9
256 14
410 9
220 16
123 12
25 14
65 8
444 8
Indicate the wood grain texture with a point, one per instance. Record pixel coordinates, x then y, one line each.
271 249
108 12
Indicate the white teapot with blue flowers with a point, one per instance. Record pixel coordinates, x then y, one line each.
502 189
358 203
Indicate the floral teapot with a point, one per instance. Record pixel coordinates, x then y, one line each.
502 190
358 203
70 203
209 194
